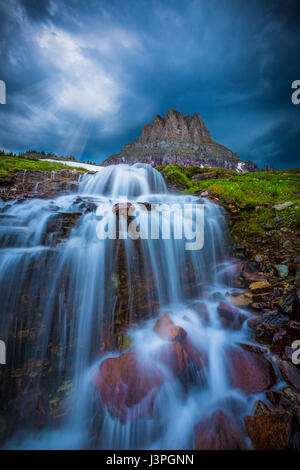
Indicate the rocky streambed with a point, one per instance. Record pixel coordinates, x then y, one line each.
259 299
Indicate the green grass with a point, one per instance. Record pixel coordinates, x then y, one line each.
10 164
253 194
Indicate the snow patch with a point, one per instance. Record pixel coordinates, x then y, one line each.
240 166
87 166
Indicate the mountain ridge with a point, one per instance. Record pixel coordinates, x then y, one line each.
182 139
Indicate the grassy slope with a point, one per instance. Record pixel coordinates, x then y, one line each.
253 195
9 164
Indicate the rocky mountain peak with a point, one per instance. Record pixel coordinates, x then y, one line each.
180 139
176 126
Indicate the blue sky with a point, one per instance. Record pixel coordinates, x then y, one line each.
83 77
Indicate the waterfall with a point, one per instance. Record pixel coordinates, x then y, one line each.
71 298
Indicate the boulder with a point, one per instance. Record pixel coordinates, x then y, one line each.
123 383
198 357
123 208
230 316
269 431
222 430
243 299
201 309
174 357
128 386
269 324
290 374
248 369
166 329
259 287
286 398
282 270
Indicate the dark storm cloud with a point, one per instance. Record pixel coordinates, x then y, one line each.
83 77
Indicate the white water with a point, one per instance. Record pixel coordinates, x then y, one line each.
72 295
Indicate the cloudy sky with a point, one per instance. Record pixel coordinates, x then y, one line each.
83 76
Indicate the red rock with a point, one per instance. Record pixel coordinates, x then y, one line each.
232 271
248 370
128 387
174 357
280 340
253 322
269 431
251 277
201 309
253 348
165 328
123 382
269 324
198 357
220 431
290 374
123 208
230 316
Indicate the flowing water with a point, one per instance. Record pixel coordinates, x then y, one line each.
59 298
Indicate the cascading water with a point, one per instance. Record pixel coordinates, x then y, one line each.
67 296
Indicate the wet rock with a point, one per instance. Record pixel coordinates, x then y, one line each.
165 328
268 325
286 398
248 369
85 205
230 316
269 431
259 287
197 356
58 227
128 386
290 374
282 270
222 430
252 277
123 208
232 271
289 303
33 183
124 383
215 297
261 408
279 342
201 309
174 357
146 205
241 299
